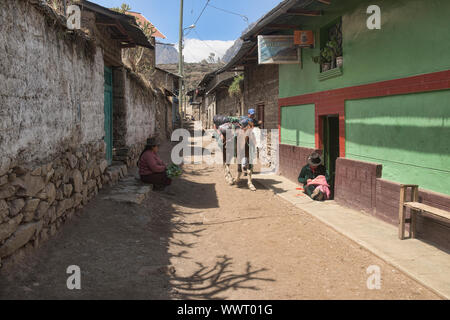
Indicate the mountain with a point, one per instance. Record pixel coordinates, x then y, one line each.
194 72
166 54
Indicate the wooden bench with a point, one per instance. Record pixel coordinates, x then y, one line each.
416 208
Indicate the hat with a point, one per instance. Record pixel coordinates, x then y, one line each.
151 142
251 111
315 159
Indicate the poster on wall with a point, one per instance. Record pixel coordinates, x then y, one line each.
277 50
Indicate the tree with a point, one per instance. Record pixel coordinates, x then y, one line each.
123 9
135 57
212 57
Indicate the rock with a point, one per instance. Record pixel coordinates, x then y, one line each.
12 177
68 188
29 185
77 199
49 175
63 206
20 170
50 190
8 228
85 176
16 206
3 180
4 207
91 184
73 161
5 164
31 205
36 172
41 210
77 180
103 166
83 164
59 195
7 192
20 238
28 216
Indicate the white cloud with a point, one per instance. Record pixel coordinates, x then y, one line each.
195 50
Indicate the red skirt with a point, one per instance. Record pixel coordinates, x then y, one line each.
159 179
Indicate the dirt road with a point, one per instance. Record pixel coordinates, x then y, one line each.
210 241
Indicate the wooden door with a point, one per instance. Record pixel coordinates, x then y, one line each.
109 114
260 114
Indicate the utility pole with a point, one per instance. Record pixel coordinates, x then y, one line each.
180 64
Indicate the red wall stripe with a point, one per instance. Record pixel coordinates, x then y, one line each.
333 101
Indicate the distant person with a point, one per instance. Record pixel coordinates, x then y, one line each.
252 115
315 178
151 168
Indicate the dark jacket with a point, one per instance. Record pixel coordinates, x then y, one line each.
307 173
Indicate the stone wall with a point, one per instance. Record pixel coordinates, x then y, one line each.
51 124
140 112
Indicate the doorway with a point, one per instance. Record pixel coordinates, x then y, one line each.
109 114
330 139
260 114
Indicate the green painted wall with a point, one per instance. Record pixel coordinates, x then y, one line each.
409 135
414 39
298 126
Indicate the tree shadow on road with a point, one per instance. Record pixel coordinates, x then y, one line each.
213 282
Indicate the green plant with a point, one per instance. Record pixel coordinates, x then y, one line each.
326 56
235 88
335 47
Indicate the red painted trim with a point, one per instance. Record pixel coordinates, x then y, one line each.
333 101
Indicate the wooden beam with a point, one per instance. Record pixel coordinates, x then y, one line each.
128 45
328 2
283 26
308 13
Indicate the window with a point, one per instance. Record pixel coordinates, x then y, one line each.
331 54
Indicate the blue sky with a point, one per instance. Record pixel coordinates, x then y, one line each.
213 25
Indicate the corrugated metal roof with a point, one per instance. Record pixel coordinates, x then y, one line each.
128 23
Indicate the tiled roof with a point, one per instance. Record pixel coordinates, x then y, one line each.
142 20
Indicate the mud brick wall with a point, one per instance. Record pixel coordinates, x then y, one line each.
355 183
226 104
428 229
261 87
140 103
359 185
50 84
292 160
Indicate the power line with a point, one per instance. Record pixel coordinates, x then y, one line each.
231 12
198 18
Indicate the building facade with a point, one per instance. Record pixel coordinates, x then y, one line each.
381 118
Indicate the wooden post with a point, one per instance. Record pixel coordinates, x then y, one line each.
401 213
414 198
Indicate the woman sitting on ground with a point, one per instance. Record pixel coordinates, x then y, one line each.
151 168
315 178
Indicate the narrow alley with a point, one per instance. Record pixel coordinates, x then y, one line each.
209 241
